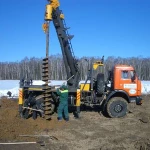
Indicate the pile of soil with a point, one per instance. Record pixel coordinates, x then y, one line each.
12 125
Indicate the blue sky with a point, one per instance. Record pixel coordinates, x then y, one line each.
100 27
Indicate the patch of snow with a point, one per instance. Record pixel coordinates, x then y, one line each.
13 86
145 87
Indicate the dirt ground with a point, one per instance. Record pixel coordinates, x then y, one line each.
91 132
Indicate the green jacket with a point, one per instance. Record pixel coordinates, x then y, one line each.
63 94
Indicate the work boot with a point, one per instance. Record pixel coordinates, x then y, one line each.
67 119
59 119
76 115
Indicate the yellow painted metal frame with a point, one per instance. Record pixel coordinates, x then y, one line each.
96 64
78 97
20 102
55 4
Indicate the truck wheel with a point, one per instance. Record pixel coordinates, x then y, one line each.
100 84
117 107
25 113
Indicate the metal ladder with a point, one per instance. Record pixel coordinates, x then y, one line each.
69 39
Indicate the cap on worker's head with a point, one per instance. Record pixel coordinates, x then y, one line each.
63 87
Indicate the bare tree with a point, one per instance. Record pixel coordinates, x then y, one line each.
32 67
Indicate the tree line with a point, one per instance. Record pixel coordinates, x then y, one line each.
32 67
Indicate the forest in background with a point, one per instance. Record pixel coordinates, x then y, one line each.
32 67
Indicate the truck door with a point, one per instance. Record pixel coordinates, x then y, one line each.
127 84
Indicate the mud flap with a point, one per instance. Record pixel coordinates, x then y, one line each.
138 101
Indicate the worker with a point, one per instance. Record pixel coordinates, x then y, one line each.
62 92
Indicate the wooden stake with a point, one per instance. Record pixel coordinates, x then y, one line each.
42 143
18 143
52 137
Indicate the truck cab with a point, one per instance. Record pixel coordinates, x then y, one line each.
125 79
124 88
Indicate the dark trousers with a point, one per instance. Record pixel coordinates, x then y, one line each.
63 108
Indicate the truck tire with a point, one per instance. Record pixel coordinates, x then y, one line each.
117 107
26 113
34 114
100 84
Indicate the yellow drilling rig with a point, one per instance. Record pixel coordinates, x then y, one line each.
113 98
